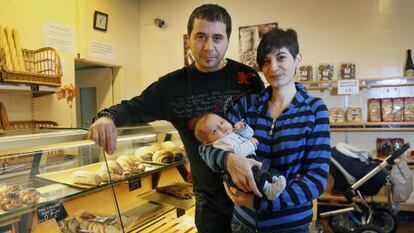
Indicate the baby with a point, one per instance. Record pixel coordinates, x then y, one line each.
211 129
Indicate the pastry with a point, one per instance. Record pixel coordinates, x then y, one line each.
144 153
69 225
5 189
29 196
179 153
184 191
130 164
168 145
86 177
11 201
115 169
163 156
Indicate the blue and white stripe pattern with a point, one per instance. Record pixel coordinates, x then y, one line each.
297 142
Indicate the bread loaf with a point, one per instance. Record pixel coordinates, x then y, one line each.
13 56
86 177
19 52
5 46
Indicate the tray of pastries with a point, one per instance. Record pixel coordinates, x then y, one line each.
15 196
161 153
97 174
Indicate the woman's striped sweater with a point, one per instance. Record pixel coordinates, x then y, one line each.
297 142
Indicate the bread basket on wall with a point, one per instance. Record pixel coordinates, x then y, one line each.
41 66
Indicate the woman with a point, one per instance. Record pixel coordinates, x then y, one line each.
293 132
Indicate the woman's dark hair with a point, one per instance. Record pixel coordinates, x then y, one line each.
211 13
277 38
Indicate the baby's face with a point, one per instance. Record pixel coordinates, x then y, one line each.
216 127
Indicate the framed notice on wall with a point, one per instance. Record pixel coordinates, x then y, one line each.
249 38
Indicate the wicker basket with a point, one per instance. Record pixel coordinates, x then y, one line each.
42 67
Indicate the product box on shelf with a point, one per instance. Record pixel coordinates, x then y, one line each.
386 110
385 146
374 110
409 109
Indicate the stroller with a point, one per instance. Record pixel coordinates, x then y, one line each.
355 173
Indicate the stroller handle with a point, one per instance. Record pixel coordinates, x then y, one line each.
350 192
397 153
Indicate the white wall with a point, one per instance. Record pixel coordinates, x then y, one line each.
373 34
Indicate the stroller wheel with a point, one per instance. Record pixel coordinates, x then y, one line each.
344 223
384 220
369 228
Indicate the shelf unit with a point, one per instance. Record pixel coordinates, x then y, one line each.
373 127
36 90
363 83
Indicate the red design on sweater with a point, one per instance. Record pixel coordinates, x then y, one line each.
244 78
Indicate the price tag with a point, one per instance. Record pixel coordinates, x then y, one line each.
348 87
134 183
50 211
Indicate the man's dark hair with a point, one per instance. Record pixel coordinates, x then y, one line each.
211 13
277 38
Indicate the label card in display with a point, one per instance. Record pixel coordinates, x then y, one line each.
134 183
348 87
50 211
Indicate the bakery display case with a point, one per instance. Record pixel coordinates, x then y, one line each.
59 180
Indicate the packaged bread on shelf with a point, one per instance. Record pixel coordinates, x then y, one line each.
409 109
336 115
353 114
386 109
86 177
374 110
398 109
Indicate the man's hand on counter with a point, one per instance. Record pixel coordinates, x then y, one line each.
104 133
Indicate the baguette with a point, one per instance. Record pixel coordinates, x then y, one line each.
13 56
5 45
18 47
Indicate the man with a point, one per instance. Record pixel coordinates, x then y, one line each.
210 84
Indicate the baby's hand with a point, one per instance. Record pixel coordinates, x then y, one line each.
254 140
239 125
